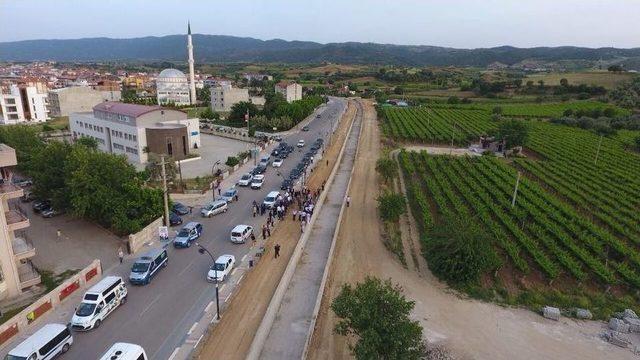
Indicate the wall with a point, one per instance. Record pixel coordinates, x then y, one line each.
193 129
63 102
157 141
145 236
24 320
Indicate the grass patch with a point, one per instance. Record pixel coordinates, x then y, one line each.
51 281
392 239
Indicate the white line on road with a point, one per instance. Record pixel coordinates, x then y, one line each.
193 327
208 307
174 353
150 305
186 267
198 342
227 298
222 287
234 271
239 279
244 257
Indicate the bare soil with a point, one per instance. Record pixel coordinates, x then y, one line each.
232 336
467 328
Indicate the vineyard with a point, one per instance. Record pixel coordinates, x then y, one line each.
540 232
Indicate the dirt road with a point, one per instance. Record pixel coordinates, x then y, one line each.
470 329
232 337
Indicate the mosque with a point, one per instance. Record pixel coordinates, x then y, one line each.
172 86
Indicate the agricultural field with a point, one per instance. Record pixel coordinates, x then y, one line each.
576 220
599 78
542 110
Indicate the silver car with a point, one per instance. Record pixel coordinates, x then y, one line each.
215 208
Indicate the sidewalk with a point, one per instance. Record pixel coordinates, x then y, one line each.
295 314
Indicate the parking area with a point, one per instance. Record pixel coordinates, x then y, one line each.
212 148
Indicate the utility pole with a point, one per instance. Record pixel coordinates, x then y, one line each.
598 151
180 172
452 128
515 191
164 191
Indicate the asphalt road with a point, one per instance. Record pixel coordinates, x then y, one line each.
159 316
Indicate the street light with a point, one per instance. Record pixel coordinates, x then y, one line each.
213 191
203 250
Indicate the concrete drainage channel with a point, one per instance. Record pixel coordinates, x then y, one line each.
303 281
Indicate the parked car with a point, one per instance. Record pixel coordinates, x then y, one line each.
98 302
48 342
146 267
215 208
174 219
22 182
180 209
257 182
278 138
259 170
28 196
270 200
305 128
265 161
300 143
275 152
40 205
283 155
318 116
188 234
230 195
221 268
245 180
241 233
50 212
277 163
286 183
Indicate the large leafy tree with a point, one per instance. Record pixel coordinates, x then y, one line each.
48 170
239 110
459 251
514 132
25 141
391 206
377 314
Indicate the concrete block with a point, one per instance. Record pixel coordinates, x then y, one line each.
618 325
583 314
628 313
634 324
617 339
551 313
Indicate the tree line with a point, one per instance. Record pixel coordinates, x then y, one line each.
80 179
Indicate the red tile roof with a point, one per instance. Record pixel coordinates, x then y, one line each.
133 110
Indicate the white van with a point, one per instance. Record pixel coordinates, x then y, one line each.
271 199
241 233
99 302
125 351
147 266
44 344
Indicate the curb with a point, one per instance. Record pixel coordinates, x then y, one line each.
260 337
325 275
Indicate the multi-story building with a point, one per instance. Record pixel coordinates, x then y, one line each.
137 130
258 77
18 273
289 90
65 101
31 103
224 97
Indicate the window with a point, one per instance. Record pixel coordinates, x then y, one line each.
110 297
118 146
142 357
11 101
51 345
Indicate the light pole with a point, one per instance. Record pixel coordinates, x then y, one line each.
203 250
213 190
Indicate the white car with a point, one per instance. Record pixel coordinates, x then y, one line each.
241 233
245 180
222 268
271 198
300 143
277 163
257 181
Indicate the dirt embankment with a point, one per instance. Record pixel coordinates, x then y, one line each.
468 328
232 337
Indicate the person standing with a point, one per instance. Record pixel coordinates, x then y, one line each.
264 232
120 254
255 210
253 239
277 250
348 200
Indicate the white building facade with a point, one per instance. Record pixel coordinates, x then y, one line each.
290 91
172 87
24 103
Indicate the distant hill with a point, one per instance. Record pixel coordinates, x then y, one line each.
218 48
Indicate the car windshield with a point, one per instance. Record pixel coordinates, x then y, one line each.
257 180
140 267
235 234
183 233
13 357
270 199
85 309
246 177
218 267
228 193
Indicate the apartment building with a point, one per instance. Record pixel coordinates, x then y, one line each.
137 130
26 102
17 271
289 90
225 96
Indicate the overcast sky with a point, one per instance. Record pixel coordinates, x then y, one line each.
453 23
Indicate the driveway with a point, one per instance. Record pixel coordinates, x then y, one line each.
212 148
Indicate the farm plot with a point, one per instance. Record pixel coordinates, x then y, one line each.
540 232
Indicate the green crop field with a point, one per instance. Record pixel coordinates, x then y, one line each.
542 110
576 218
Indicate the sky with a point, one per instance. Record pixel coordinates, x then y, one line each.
452 23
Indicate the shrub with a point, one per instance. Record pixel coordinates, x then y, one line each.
387 168
232 161
391 206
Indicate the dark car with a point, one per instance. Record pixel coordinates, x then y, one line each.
305 128
320 140
275 152
260 169
180 209
27 197
50 212
283 155
278 138
174 219
40 205
286 183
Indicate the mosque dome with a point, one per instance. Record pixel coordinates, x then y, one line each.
171 74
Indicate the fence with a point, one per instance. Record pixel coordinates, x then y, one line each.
21 321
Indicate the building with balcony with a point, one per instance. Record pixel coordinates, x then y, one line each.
225 96
17 273
20 103
289 90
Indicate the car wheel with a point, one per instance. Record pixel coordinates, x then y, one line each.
123 300
97 324
188 244
65 348
209 216
225 210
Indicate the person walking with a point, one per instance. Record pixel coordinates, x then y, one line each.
264 232
269 230
218 190
277 250
59 233
253 239
120 254
295 212
348 200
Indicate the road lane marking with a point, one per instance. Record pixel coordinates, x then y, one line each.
244 258
227 298
239 279
186 267
222 287
193 327
198 342
150 305
233 271
174 353
208 307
